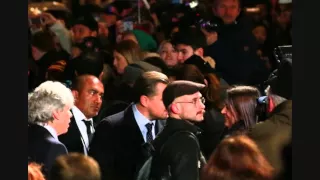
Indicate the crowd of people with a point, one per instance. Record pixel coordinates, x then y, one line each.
190 90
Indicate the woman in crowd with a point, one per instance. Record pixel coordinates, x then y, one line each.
237 158
168 53
240 109
126 52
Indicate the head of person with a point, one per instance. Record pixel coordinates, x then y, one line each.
188 42
211 92
146 41
283 13
84 26
227 10
89 63
148 89
280 84
260 33
250 162
126 52
34 172
129 35
168 53
133 71
110 15
50 104
75 166
88 93
41 42
241 104
183 100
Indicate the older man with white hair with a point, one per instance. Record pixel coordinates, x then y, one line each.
48 116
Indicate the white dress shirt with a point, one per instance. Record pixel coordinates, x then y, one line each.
142 121
52 131
79 116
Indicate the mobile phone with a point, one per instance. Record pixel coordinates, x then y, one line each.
36 20
127 25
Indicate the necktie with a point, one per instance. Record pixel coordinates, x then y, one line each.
89 132
149 133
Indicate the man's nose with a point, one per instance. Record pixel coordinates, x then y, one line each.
223 111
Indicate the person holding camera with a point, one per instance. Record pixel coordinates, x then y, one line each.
235 50
275 132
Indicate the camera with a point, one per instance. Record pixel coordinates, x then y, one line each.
36 21
212 25
282 52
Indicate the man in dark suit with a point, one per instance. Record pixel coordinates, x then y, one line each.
48 116
88 92
118 139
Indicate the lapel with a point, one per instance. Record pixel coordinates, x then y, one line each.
131 129
73 128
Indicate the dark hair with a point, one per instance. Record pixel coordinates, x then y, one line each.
79 81
43 40
190 36
146 84
212 90
157 61
243 100
75 166
237 158
89 63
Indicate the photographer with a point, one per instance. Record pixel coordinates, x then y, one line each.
275 132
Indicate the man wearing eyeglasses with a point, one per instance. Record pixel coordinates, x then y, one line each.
177 151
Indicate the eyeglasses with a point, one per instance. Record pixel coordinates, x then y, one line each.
196 101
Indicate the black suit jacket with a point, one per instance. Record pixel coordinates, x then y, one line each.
117 145
43 148
72 139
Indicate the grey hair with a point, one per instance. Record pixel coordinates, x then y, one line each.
45 99
275 98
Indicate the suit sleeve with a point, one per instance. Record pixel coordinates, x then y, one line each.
101 149
184 156
55 151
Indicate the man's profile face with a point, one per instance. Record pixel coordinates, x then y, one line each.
156 107
191 107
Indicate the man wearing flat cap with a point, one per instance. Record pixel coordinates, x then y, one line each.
177 151
274 133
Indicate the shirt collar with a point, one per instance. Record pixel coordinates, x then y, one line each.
140 118
78 115
51 130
